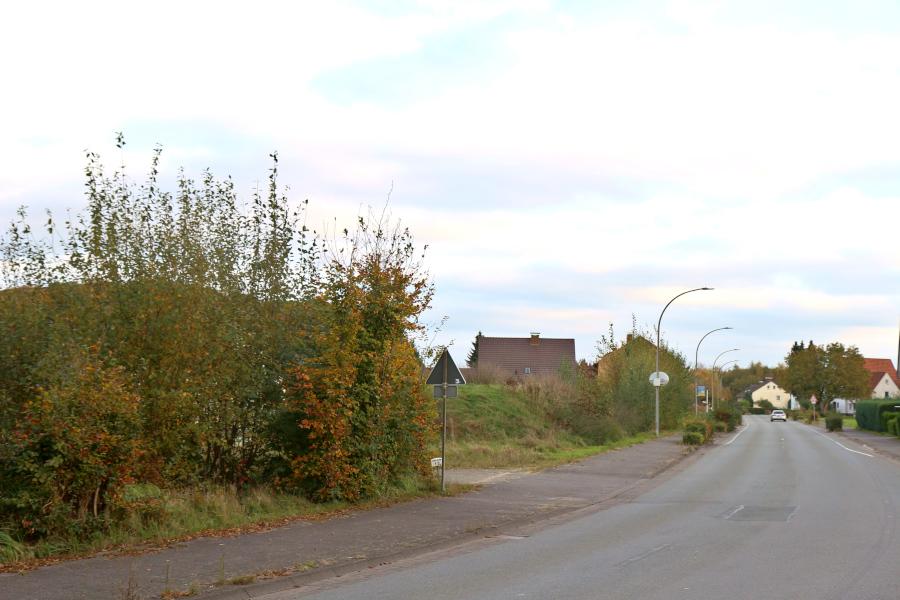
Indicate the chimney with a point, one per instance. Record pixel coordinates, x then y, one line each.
535 338
628 338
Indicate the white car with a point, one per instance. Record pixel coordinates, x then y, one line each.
778 415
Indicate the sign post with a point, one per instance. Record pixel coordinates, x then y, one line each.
440 377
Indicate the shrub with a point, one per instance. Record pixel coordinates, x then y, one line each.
893 427
692 438
728 414
721 427
757 410
868 413
886 419
834 422
700 426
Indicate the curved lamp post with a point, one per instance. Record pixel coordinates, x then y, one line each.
722 366
696 356
658 325
714 367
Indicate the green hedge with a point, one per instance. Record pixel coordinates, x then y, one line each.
893 426
834 422
692 438
868 413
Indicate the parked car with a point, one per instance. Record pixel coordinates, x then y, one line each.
777 415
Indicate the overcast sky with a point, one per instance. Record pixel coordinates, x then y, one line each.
567 165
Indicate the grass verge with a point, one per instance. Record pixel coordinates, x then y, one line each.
189 514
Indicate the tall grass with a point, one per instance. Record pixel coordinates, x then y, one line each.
541 423
187 513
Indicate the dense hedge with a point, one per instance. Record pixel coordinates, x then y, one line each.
869 413
185 339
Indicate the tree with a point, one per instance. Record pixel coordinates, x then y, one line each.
829 372
472 358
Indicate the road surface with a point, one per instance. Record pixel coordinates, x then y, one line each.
779 510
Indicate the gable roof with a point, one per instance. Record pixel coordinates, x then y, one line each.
761 384
877 368
516 354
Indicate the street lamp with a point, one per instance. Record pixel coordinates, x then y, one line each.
714 366
658 325
721 367
696 356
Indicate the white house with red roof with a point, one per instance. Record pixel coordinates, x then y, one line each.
883 379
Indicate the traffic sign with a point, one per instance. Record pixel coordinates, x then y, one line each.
452 391
813 399
451 372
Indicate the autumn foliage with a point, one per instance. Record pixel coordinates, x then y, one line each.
179 338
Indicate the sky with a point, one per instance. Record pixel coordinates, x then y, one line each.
569 164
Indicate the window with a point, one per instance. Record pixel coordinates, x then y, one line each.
528 370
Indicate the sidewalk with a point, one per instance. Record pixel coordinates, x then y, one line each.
886 445
309 550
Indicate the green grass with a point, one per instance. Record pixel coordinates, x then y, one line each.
495 426
189 513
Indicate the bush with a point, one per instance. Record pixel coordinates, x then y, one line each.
692 438
893 427
886 419
757 410
702 427
834 422
721 427
728 414
869 413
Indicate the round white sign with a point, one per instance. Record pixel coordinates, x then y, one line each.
658 379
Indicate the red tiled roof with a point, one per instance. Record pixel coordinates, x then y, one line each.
878 367
516 354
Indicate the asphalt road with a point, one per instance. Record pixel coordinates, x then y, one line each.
779 511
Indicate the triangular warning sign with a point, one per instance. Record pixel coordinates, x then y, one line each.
454 377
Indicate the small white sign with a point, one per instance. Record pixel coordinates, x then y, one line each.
437 462
658 379
813 399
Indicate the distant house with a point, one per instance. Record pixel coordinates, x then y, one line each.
525 357
771 391
883 380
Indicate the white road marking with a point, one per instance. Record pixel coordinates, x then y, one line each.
640 557
746 427
734 512
841 445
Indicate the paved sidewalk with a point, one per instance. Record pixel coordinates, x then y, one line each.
314 549
886 445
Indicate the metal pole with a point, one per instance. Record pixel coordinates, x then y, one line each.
444 427
658 326
722 366
696 359
713 373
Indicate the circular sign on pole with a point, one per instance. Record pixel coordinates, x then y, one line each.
813 399
658 379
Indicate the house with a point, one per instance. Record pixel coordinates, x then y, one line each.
883 379
771 391
525 357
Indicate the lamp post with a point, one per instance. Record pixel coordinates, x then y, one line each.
696 356
714 367
722 366
658 325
